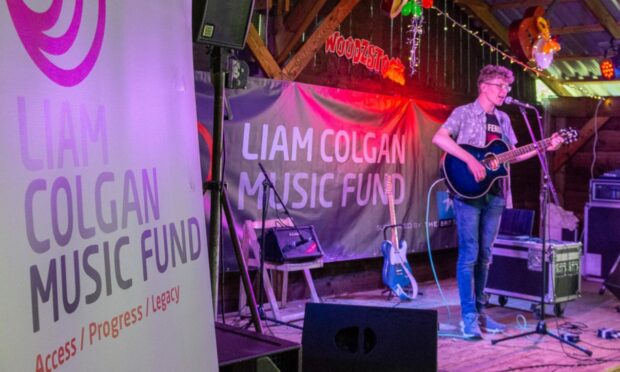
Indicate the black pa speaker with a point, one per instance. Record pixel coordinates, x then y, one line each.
602 238
368 338
223 23
285 244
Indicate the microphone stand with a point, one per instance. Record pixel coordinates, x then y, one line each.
219 196
547 186
275 192
268 185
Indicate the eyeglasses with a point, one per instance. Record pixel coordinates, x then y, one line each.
506 87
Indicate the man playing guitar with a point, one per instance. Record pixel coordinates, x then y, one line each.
478 218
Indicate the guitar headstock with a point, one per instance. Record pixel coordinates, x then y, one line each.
569 135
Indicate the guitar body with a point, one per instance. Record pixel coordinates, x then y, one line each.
462 181
394 275
495 157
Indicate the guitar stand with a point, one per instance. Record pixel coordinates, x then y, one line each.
390 294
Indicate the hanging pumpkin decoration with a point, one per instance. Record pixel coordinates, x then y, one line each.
530 38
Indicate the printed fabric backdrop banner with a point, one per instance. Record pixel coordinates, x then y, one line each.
327 151
104 265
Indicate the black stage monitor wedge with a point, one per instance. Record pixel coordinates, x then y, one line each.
223 23
368 338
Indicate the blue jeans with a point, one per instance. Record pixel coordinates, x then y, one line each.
477 222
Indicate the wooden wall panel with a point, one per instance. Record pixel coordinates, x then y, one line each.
578 172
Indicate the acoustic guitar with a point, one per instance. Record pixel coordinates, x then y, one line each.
495 157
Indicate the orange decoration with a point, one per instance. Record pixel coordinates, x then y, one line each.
395 72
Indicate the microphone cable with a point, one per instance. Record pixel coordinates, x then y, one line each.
595 142
428 245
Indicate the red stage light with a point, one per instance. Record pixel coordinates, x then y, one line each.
607 69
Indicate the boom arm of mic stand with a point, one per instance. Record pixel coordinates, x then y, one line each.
272 187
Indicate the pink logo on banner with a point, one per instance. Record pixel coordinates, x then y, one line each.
32 26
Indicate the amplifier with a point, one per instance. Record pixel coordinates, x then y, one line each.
605 190
285 244
601 238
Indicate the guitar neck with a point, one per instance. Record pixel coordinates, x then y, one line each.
393 221
511 155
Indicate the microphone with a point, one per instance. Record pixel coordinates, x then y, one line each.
511 101
302 241
297 244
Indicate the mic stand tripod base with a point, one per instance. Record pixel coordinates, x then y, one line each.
263 317
541 329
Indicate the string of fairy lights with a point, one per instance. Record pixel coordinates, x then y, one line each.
416 29
483 42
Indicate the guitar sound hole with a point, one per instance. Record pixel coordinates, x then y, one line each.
490 162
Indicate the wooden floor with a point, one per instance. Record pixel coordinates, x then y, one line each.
533 353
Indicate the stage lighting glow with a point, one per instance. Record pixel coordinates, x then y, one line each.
607 69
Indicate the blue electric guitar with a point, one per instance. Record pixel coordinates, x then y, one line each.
396 271
496 157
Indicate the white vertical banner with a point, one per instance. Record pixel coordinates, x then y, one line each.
103 265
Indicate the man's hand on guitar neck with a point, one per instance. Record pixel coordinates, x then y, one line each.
556 141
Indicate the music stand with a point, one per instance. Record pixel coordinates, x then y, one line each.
547 186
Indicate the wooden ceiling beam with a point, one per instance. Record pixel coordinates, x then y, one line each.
483 12
599 82
583 107
263 55
296 23
579 29
525 4
263 4
599 10
581 57
555 85
304 55
564 154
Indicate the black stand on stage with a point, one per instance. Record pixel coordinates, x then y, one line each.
547 186
219 198
267 186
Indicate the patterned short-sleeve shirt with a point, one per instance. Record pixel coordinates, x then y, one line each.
467 125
